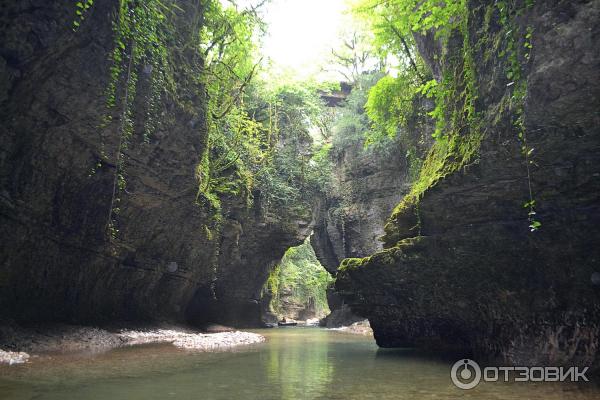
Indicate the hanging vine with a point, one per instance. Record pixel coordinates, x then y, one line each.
142 30
508 11
81 9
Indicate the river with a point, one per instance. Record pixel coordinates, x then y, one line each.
294 363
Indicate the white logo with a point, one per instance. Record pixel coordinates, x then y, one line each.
465 374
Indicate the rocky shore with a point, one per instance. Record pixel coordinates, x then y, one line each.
18 343
357 328
13 357
191 341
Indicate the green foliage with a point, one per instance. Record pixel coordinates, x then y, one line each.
141 31
514 72
320 168
351 127
457 134
263 145
227 46
393 22
300 274
407 16
457 128
81 8
390 105
292 171
458 131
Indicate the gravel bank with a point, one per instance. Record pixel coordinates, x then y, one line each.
17 343
191 341
12 357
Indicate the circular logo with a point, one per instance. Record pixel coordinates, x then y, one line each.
465 374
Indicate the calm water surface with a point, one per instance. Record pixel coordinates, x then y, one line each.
294 363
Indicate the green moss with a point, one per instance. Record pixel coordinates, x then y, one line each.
459 132
350 264
459 125
385 257
445 157
210 235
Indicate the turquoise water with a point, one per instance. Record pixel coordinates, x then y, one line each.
294 363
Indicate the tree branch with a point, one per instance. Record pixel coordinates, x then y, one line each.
240 91
406 48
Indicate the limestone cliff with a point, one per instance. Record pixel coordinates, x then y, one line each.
367 183
461 268
57 178
349 223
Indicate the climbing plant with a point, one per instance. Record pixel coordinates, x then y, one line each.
234 139
458 124
516 57
209 50
141 31
81 8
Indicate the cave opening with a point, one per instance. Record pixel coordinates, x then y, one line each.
296 289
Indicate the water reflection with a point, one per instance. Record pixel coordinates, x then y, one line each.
295 363
299 365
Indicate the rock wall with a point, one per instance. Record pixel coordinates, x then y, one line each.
461 270
366 186
349 223
57 261
249 251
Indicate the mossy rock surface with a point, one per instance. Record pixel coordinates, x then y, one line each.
461 269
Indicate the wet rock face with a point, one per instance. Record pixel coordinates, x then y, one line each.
475 279
58 263
341 313
248 253
53 215
367 186
350 223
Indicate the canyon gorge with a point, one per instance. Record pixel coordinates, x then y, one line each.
146 179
